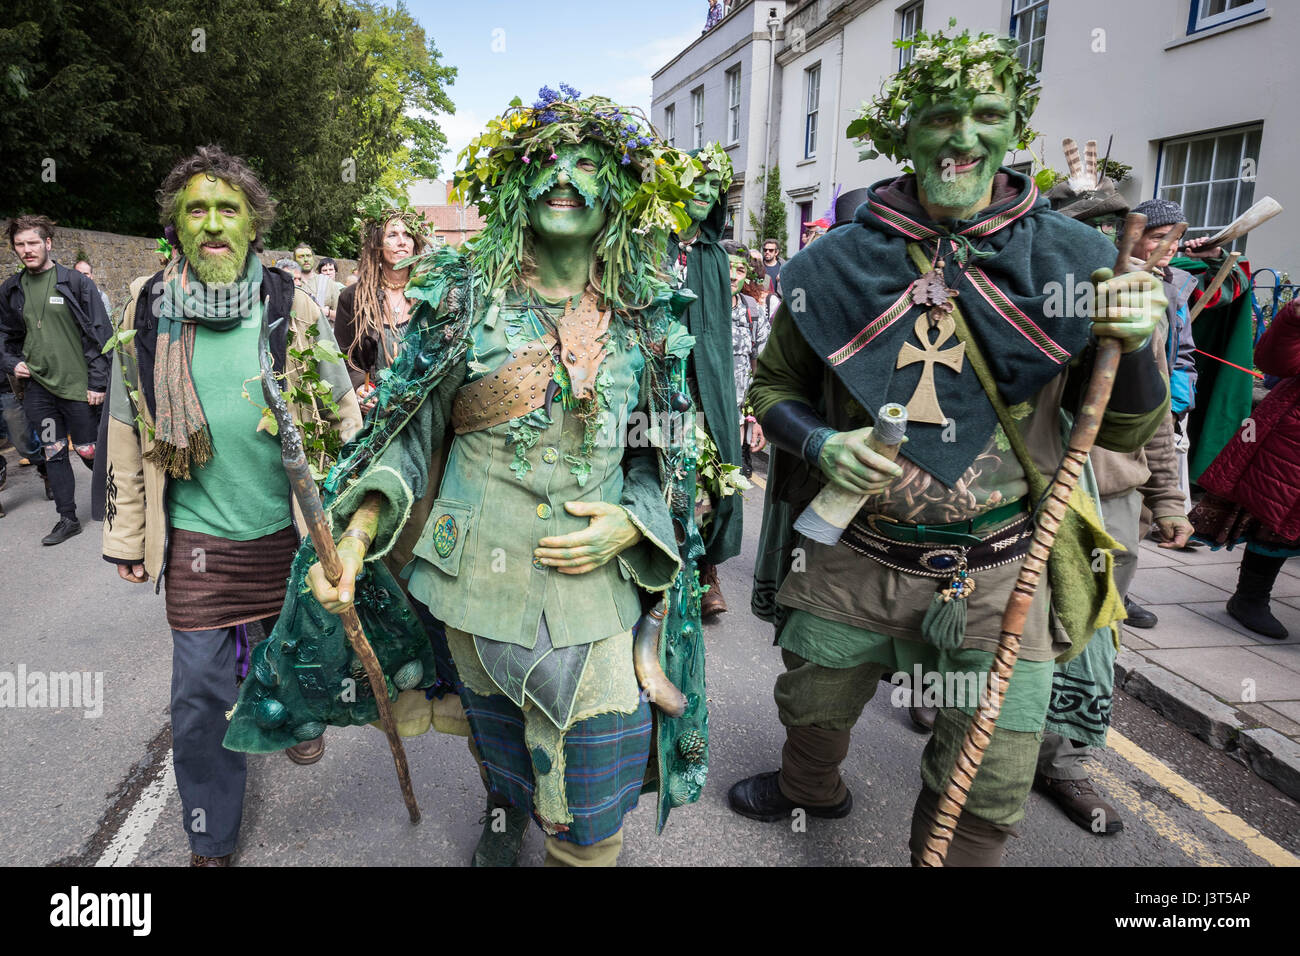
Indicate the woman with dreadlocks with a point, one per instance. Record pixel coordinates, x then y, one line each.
546 366
373 314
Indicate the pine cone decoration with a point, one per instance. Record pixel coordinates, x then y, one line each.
691 745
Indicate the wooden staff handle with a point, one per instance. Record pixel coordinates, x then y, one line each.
304 491
1216 283
1055 504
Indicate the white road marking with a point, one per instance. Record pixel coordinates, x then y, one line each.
130 837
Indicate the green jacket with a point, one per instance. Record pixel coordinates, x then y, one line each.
473 562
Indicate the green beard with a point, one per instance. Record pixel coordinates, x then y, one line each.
216 270
960 193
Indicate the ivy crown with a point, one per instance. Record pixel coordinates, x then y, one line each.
643 182
944 68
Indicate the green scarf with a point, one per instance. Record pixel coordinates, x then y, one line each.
182 439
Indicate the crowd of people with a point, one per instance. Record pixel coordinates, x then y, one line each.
470 396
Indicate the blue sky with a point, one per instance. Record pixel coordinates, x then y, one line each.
609 48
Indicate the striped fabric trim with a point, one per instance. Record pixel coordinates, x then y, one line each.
908 227
1022 323
915 230
1003 219
877 325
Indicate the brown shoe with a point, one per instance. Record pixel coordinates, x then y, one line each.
1082 804
713 603
309 751
196 860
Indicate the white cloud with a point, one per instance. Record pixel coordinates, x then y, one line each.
459 127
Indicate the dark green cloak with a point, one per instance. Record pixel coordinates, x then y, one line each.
708 318
1223 393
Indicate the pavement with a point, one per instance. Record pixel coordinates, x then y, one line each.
1232 688
97 788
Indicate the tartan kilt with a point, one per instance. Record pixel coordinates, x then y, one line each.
605 758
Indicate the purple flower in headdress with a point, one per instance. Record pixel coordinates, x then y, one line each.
170 234
526 159
545 97
643 141
569 91
626 159
553 157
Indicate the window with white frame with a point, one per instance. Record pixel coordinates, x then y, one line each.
733 105
1211 13
670 125
812 97
697 118
909 21
1029 28
1212 176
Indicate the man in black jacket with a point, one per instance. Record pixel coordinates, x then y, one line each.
53 328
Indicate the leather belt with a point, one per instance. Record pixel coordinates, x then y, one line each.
515 388
938 558
955 532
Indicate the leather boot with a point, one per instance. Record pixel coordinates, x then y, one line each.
975 842
712 603
504 829
809 779
307 752
1249 605
1082 804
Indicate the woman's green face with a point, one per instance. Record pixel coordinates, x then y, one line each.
567 203
706 190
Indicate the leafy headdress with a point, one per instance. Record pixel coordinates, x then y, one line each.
643 183
375 211
944 68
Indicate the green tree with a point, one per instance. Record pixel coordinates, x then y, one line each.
101 97
771 224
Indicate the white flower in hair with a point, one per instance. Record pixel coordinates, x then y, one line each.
980 77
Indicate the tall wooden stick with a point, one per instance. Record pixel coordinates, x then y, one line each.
1215 284
304 491
980 732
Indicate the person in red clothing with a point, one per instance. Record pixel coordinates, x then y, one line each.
1253 486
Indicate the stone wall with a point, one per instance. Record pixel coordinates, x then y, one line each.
119 259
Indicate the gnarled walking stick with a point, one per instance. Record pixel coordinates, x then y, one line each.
304 491
1055 504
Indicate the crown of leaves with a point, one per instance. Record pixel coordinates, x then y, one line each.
944 68
644 182
379 206
715 159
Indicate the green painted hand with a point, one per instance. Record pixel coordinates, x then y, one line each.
1129 307
611 531
1176 530
847 460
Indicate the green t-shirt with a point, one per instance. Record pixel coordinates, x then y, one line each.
242 492
53 349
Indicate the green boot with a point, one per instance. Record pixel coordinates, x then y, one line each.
504 828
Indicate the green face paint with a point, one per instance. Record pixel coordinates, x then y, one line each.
739 272
305 259
706 190
566 204
215 228
956 147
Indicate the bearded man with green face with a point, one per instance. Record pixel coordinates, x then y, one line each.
933 298
527 455
699 262
194 491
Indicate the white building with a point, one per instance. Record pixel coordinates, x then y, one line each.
717 90
1192 91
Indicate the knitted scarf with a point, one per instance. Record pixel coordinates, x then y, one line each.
182 439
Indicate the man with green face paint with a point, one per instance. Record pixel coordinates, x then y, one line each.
933 298
194 492
527 358
698 260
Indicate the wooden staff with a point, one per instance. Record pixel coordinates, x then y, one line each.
1055 504
1216 283
304 491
